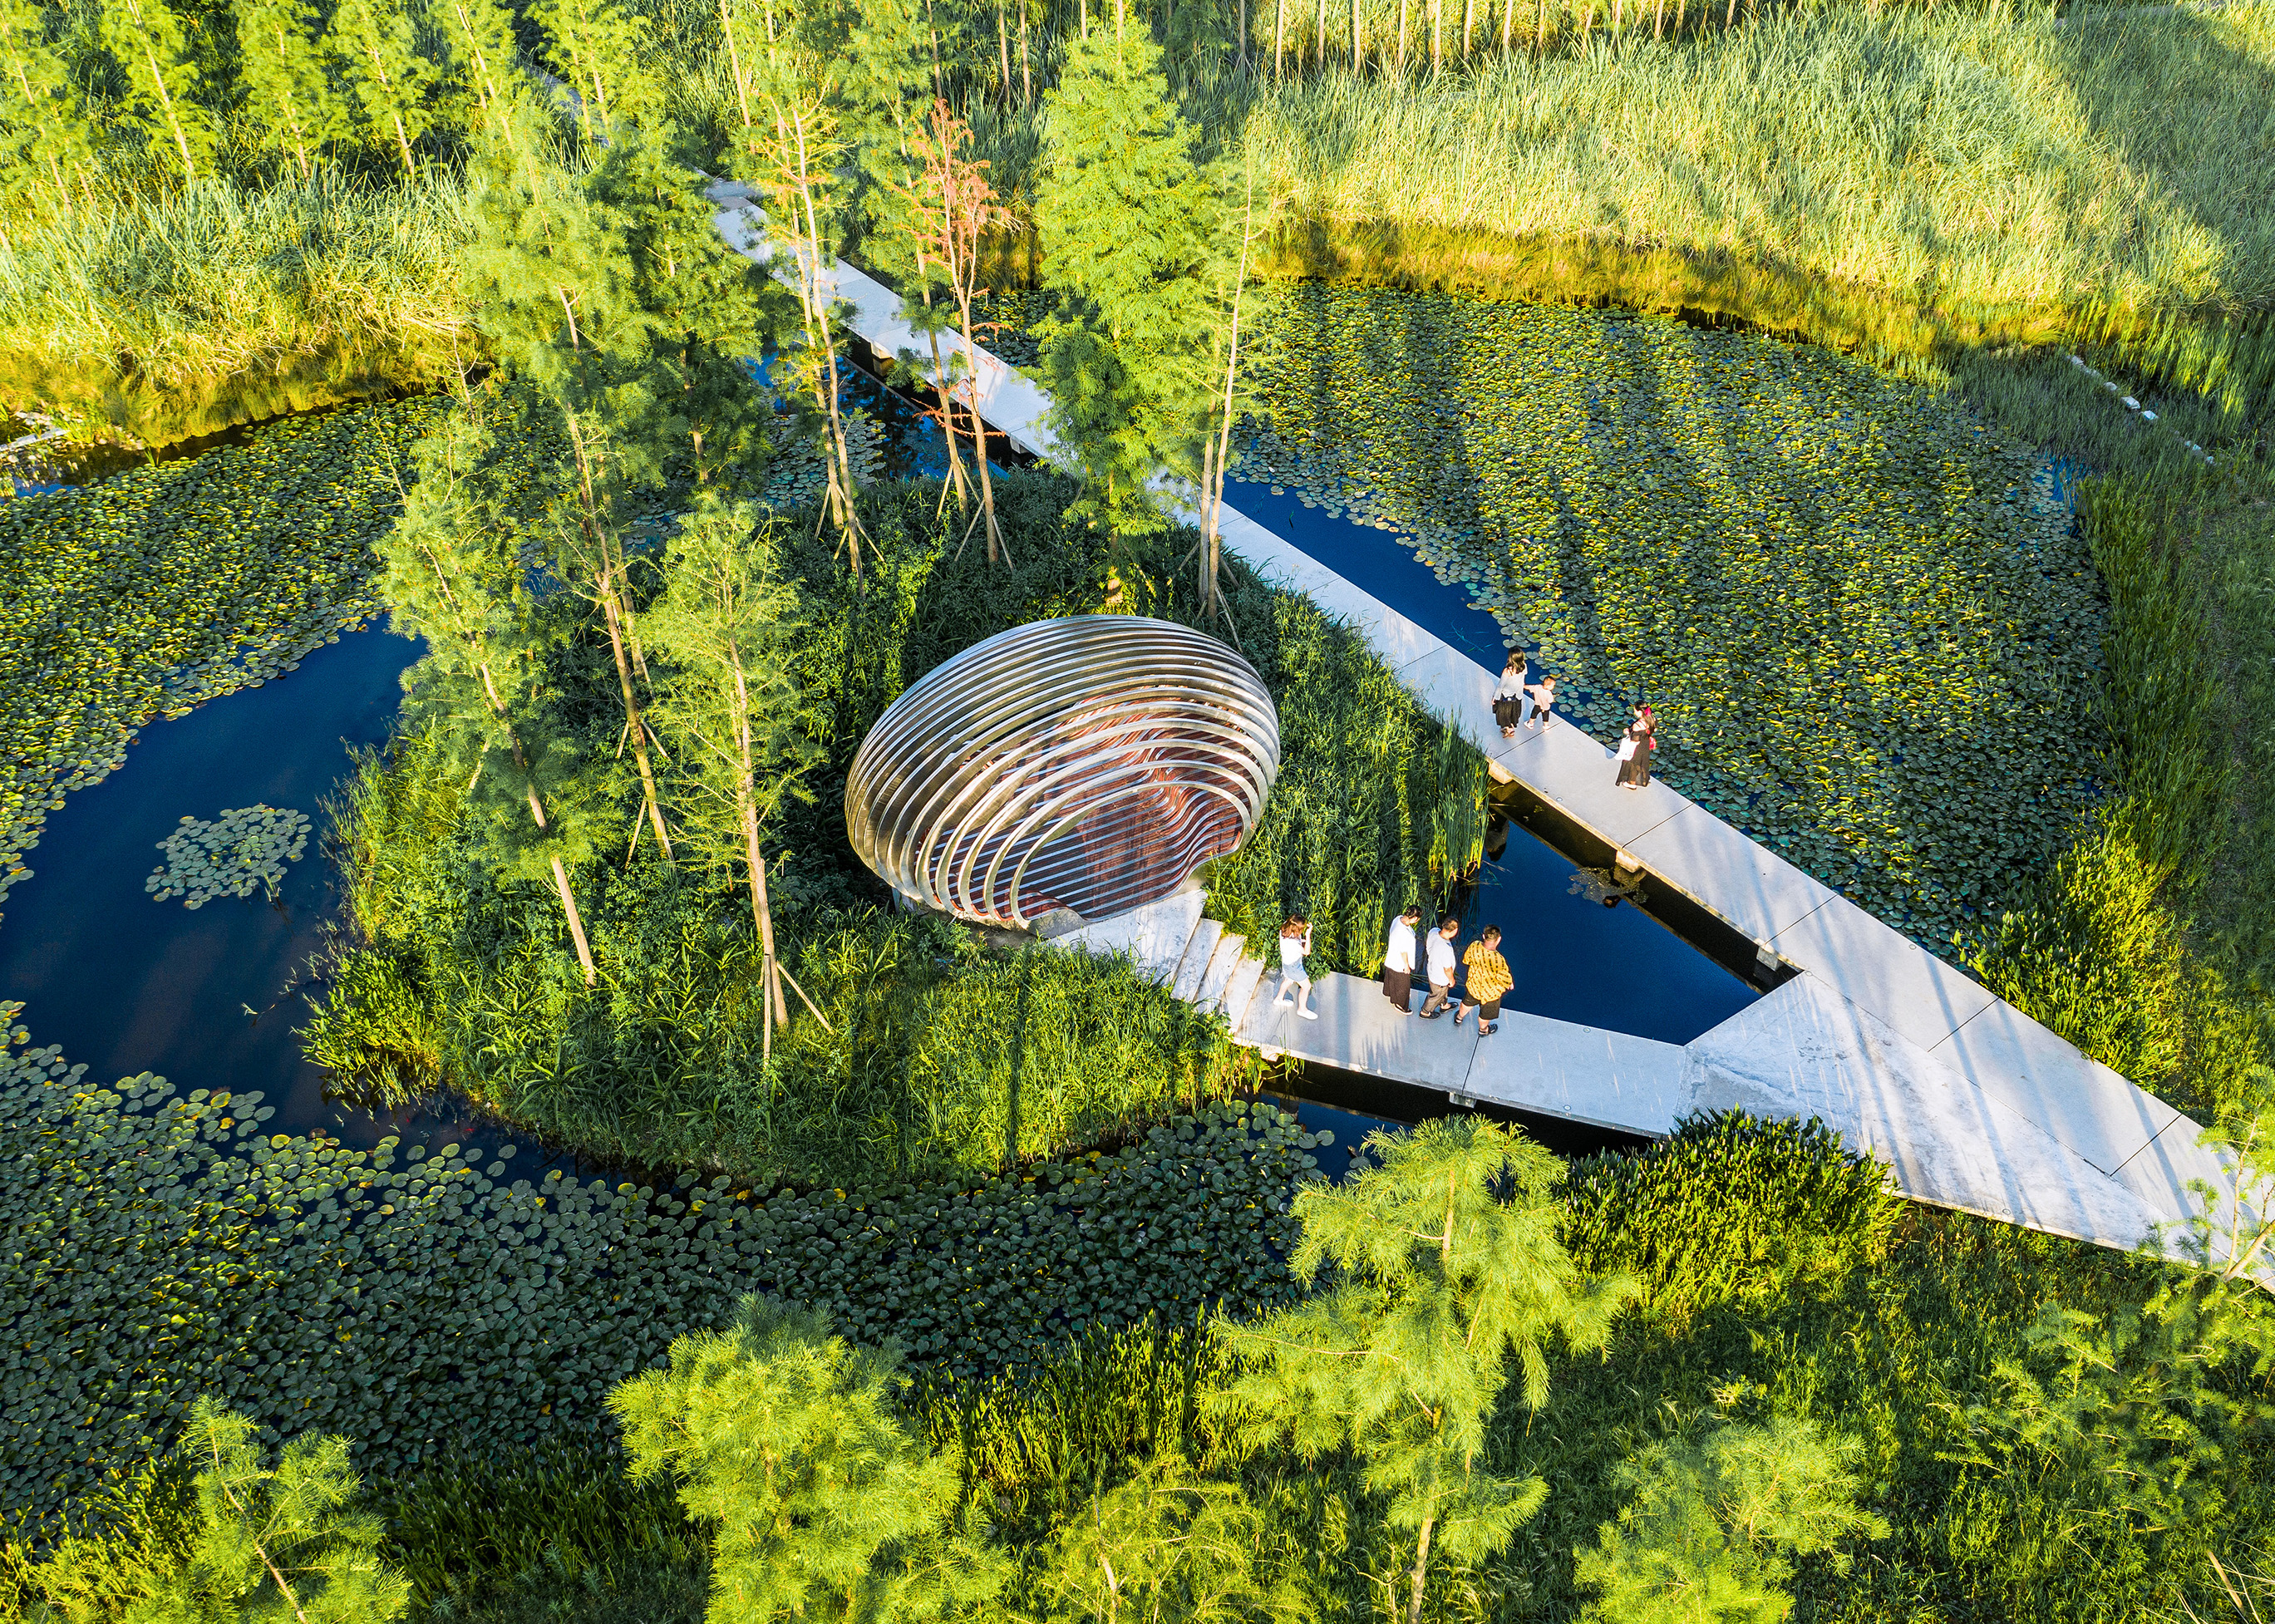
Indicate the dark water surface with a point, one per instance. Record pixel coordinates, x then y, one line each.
208 997
1573 958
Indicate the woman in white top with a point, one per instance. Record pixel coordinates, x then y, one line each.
1398 960
1295 942
1509 699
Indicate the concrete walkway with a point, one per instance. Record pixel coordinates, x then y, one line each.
1973 1104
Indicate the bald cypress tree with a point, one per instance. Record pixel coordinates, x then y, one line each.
288 89
1135 233
1711 1522
388 85
1445 1270
728 628
785 1437
151 44
47 146
451 573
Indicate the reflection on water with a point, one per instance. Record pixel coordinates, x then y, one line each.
1574 959
211 997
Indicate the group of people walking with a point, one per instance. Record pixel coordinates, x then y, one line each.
1519 704
1480 963
1487 971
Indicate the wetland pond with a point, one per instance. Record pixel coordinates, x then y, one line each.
213 997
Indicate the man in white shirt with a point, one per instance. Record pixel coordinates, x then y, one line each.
1398 961
1439 951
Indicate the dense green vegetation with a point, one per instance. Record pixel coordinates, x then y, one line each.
1048 1321
169 583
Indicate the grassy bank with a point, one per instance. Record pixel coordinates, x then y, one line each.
165 314
1914 183
936 1055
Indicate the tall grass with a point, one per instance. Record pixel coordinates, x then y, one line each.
169 313
2147 942
1992 169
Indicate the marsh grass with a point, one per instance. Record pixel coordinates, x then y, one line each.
165 314
2146 942
486 1536
1915 184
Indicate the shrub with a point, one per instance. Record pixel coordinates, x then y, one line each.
1729 1208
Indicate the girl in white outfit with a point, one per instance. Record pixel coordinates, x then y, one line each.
1295 942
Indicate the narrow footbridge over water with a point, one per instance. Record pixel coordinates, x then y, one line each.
1971 1103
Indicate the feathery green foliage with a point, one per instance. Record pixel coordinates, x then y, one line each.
1132 221
274 1540
1168 1545
1445 1268
1713 1521
784 1437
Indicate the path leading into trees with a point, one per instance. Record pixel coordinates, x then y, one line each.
1972 1104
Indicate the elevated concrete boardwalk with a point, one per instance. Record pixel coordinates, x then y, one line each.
1973 1104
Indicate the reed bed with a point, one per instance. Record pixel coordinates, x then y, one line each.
1997 166
169 313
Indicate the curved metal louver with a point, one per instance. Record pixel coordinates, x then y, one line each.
1090 763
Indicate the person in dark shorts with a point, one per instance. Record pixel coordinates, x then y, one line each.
1488 981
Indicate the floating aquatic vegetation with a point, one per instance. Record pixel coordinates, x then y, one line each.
1870 634
165 585
163 1247
246 846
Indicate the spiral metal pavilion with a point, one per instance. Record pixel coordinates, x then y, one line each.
1089 763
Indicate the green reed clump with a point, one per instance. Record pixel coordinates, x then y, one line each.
562 1513
1729 1208
2143 943
1034 1439
165 314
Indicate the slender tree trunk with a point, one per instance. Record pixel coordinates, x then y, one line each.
1358 40
404 142
166 102
575 922
770 993
612 613
1278 35
1026 71
1003 51
537 815
1658 18
1319 36
1421 1571
1437 35
1469 24
840 496
1507 18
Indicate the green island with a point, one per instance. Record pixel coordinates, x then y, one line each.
692 1228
